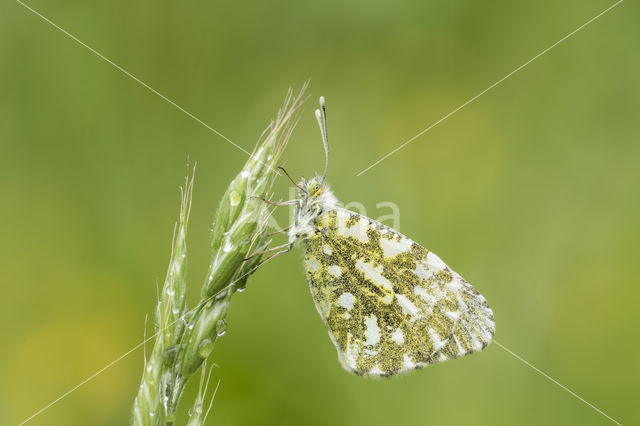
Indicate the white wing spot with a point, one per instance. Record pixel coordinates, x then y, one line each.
346 301
324 307
351 354
312 264
374 274
398 336
376 370
370 352
372 331
486 334
437 343
407 305
425 295
455 284
422 272
477 346
358 230
434 263
335 270
407 362
327 249
453 316
460 350
391 248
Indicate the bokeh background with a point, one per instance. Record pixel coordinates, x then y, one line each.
532 193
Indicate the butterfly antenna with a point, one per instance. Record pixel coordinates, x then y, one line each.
321 116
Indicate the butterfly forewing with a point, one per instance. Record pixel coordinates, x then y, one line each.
390 304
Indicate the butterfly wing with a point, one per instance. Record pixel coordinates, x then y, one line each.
390 304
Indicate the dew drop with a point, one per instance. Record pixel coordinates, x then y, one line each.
227 245
197 410
205 348
241 286
221 327
234 198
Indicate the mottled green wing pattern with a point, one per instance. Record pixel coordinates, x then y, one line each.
390 304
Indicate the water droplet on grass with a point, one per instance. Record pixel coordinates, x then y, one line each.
234 198
205 348
227 245
221 327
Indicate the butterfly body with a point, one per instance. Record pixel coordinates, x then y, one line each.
391 305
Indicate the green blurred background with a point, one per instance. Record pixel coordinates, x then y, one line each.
531 193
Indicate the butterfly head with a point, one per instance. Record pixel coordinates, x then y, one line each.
316 187
316 191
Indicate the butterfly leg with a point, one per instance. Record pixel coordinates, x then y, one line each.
276 203
278 232
268 258
268 250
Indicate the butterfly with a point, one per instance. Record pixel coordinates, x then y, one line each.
390 304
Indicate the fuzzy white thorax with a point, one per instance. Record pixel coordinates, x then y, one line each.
315 199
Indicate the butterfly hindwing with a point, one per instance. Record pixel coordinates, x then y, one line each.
390 304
